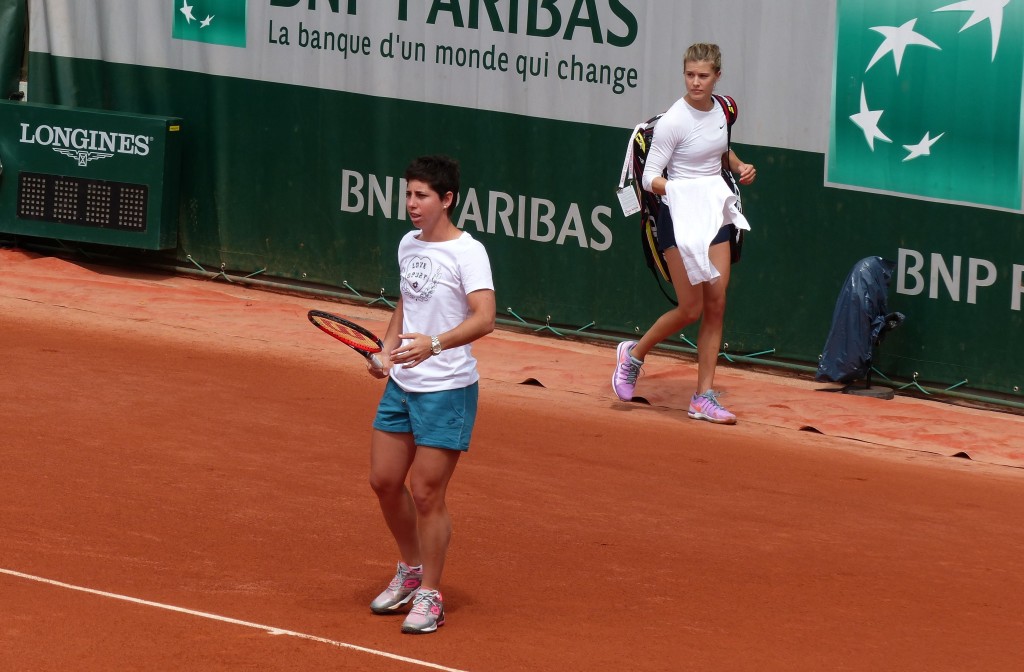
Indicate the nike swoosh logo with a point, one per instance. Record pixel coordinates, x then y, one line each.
721 127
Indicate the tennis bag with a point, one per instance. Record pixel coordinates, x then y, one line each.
650 203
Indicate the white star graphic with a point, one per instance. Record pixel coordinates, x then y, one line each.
206 22
186 9
923 148
897 40
867 120
990 10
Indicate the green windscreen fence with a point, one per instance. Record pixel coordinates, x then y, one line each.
301 117
13 25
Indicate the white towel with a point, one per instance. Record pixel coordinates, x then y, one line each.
699 208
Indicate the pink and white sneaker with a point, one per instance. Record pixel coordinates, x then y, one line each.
426 615
706 407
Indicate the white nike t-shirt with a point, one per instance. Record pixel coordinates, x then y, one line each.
688 143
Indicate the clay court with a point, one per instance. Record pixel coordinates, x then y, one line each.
184 488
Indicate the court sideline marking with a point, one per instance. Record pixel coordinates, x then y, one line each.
270 630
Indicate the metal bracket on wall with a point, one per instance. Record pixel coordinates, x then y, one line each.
725 355
383 300
344 283
547 324
913 383
953 387
222 273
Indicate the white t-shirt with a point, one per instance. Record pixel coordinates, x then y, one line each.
687 142
435 281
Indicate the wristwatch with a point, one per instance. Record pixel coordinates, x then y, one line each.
435 345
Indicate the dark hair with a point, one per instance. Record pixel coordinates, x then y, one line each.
440 172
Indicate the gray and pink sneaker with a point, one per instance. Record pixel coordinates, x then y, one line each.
401 589
426 615
706 407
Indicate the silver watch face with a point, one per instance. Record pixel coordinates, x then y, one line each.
435 346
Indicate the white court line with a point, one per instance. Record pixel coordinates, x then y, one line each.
270 630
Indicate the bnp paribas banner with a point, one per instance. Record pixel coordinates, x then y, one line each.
605 62
541 58
927 100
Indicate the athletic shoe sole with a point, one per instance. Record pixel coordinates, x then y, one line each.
423 631
700 416
394 607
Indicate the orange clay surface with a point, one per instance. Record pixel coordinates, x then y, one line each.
183 487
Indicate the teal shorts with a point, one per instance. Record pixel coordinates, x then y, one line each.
436 419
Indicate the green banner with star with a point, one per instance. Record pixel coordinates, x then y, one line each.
210 21
926 100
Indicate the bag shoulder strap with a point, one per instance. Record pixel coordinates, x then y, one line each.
627 162
729 106
731 112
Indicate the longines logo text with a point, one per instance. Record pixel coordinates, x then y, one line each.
85 145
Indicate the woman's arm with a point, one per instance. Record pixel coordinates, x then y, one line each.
667 135
480 322
744 171
391 341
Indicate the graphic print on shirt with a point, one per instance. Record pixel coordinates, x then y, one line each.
419 278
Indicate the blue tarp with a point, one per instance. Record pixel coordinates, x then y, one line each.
859 322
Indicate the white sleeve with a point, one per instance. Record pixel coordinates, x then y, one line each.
475 268
668 133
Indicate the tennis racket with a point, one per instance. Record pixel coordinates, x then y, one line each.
357 337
